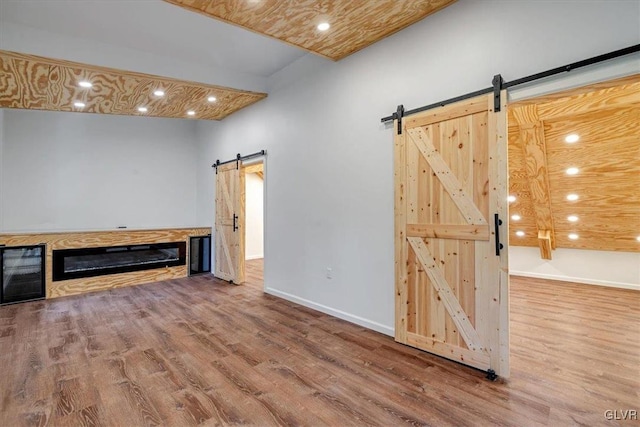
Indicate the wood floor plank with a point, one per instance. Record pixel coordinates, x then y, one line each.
199 351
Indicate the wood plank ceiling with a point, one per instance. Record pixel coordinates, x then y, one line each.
355 24
606 119
38 83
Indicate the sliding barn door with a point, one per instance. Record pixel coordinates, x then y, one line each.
451 275
229 227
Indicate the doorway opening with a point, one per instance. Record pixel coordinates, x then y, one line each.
254 225
574 171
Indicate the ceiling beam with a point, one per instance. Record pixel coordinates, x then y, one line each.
544 242
256 168
533 145
535 154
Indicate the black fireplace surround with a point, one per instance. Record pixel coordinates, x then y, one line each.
90 262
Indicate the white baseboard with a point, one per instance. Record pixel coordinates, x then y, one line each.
250 257
633 286
369 324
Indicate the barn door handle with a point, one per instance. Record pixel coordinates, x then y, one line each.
235 222
497 222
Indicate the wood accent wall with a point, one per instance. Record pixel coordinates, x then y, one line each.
355 24
606 116
38 83
92 239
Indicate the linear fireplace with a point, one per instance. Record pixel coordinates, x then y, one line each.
90 262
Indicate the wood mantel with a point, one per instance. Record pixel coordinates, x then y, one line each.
90 239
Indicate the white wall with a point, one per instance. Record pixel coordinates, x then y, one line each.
205 174
254 217
329 192
619 269
70 171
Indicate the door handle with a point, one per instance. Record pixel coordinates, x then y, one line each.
497 222
235 222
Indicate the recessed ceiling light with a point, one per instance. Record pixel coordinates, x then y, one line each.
511 199
191 113
574 137
324 26
519 233
79 104
516 217
142 109
158 93
572 197
573 236
85 83
572 218
572 171
211 99
638 238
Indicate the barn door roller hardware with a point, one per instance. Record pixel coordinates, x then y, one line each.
498 84
398 116
238 159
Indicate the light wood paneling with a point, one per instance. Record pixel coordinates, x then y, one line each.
255 168
112 281
230 222
449 231
94 239
446 294
451 288
606 116
354 24
499 300
404 314
449 181
34 82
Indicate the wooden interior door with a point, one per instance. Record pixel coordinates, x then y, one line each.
451 280
229 222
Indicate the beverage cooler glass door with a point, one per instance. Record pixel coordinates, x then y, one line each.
200 255
22 273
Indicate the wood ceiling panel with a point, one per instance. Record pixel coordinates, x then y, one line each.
23 84
607 156
355 24
33 82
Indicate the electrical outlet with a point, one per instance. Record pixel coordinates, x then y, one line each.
329 273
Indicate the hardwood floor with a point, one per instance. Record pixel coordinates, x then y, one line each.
254 273
199 351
